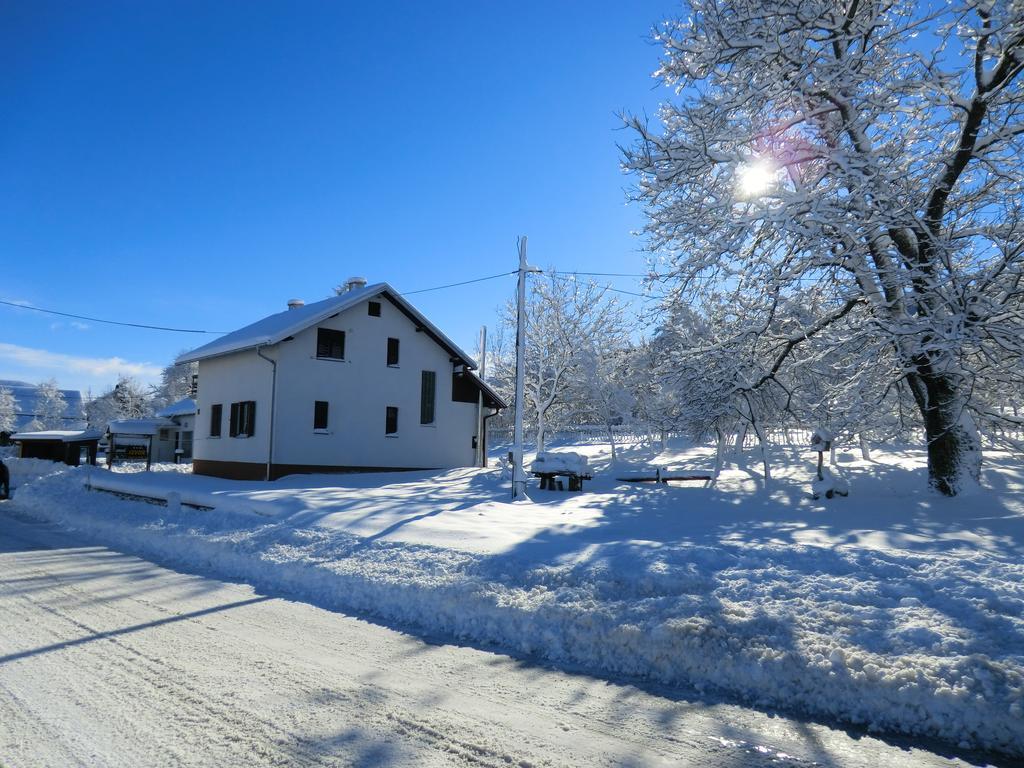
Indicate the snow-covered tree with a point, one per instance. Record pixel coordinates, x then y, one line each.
873 150
50 407
602 386
175 384
8 408
564 319
127 399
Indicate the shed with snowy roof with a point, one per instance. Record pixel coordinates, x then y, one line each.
361 381
70 446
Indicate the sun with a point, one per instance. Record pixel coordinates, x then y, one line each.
754 178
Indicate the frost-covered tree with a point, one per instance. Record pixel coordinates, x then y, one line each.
564 319
175 384
602 385
50 407
8 408
127 399
872 149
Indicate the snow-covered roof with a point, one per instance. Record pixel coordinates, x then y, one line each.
139 426
64 435
277 328
184 407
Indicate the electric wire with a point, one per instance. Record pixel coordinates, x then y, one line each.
464 282
107 322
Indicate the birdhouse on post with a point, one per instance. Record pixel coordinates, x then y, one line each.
825 483
821 441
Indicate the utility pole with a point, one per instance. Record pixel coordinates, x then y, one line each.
481 444
518 473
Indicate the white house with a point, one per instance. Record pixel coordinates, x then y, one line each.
358 382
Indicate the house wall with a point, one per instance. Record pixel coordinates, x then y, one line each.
358 391
231 379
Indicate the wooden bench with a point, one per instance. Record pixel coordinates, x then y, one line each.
664 476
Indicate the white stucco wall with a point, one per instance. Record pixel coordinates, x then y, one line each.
225 380
358 391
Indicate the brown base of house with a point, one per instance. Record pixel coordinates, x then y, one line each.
247 470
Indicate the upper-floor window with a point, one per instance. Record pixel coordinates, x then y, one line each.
330 344
373 309
392 351
320 414
391 420
428 395
216 416
243 419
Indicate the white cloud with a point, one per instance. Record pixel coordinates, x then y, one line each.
71 371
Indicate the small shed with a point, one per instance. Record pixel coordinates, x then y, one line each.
67 446
183 414
139 439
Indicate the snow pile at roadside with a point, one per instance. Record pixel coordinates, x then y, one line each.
25 470
903 641
179 485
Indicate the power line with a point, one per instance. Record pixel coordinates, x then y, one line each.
464 282
108 322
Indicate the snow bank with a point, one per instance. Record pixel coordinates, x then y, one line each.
25 470
162 485
914 642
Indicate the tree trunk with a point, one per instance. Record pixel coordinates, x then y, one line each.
762 443
954 448
611 440
741 435
719 452
865 449
540 431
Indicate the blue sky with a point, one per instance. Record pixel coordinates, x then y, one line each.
198 164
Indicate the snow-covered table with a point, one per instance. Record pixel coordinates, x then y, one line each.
549 465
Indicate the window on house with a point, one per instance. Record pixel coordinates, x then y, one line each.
243 419
330 344
373 309
165 434
392 351
391 421
428 395
320 414
216 413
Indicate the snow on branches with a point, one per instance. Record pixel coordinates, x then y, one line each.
847 176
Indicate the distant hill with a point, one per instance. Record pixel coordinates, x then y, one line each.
25 404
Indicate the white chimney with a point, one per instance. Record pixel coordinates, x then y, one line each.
353 284
295 303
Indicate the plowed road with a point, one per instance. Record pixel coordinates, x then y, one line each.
109 660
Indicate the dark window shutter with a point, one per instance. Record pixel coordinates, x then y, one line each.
428 391
250 418
392 351
216 415
391 420
373 309
320 414
233 428
330 344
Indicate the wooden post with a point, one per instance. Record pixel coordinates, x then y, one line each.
149 453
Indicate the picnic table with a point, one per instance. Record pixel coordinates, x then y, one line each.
549 466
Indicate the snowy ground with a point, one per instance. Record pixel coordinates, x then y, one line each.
893 608
110 661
